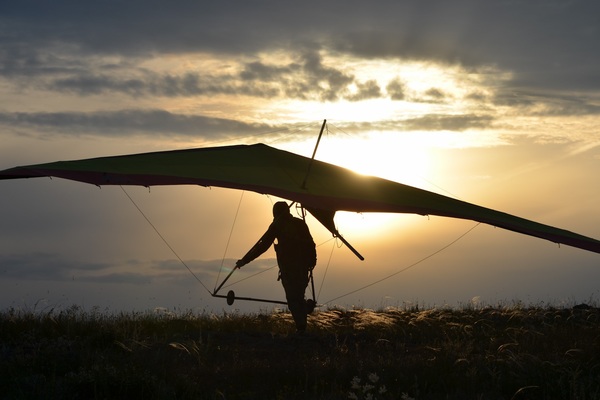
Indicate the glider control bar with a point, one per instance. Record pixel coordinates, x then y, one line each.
231 294
224 280
352 249
231 298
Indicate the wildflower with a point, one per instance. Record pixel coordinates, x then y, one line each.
367 388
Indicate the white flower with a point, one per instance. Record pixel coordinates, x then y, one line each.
373 377
355 384
367 387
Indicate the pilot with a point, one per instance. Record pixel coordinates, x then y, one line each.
296 256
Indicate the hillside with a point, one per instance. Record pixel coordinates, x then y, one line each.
489 353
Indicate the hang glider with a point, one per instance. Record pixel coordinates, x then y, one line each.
321 188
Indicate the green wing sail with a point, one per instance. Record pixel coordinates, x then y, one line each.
266 170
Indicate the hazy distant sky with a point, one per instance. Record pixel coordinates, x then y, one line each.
493 102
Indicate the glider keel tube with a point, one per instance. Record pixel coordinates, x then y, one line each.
325 217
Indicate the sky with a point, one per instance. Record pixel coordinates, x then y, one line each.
492 102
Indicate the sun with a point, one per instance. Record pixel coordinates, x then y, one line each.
400 157
386 155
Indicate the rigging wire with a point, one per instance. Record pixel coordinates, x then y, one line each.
340 129
408 267
327 267
163 238
262 271
237 211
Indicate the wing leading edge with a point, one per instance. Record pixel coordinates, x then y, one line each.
266 170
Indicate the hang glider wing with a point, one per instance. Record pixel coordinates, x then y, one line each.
267 170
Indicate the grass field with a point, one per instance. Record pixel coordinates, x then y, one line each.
512 352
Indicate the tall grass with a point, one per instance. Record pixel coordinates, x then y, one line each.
470 353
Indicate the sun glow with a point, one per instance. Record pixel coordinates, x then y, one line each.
391 89
390 156
393 156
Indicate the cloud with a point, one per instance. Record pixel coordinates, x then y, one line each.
396 89
43 266
547 44
547 103
135 278
163 124
366 90
207 55
154 84
305 78
543 43
127 122
431 95
448 122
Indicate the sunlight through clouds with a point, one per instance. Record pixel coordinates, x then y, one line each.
394 157
398 89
